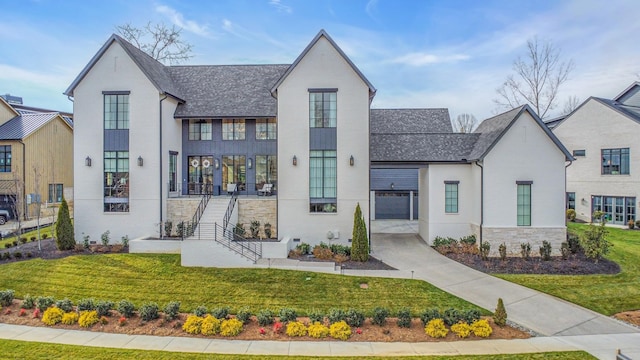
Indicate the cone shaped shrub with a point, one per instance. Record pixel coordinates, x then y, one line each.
500 315
64 228
360 242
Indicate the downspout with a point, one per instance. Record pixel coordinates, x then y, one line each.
160 177
24 180
481 200
565 191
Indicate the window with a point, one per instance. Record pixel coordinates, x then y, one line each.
116 111
322 109
615 161
200 174
524 203
579 152
451 197
173 171
266 170
233 129
616 209
116 181
571 200
199 129
266 129
5 158
234 171
55 193
322 180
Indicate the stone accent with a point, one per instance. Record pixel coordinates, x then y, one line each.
475 230
514 236
181 209
263 210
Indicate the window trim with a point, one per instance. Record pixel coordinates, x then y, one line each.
54 199
324 122
235 132
7 152
125 200
116 121
580 152
329 203
198 135
173 155
620 163
270 135
524 205
454 207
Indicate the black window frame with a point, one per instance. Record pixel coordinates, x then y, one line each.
196 132
322 117
5 158
268 127
56 191
121 111
615 157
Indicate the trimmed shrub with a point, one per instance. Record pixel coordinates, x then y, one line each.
436 329
318 330
88 318
485 249
340 330
171 310
303 248
220 313
354 318
52 316
451 316
470 316
481 328
244 315
380 316
64 228
571 214
193 324
462 329
500 315
502 250
254 227
210 325
404 317
287 315
105 238
468 240
594 239
149 311
17 255
525 250
86 305
201 311
564 250
70 318
44 302
430 314
104 320
638 223
574 242
339 249
545 250
264 317
322 252
126 308
103 308
65 305
360 241
29 302
296 328
336 315
6 297
231 327
316 316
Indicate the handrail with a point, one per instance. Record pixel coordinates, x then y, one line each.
251 250
200 210
232 204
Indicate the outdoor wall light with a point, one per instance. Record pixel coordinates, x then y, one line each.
216 163
87 161
393 186
295 161
351 160
250 163
140 161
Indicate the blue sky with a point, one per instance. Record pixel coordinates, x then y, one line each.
451 54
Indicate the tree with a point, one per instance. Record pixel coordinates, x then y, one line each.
359 241
159 41
500 315
64 228
465 123
594 239
537 78
571 104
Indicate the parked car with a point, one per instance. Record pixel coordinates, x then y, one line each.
4 216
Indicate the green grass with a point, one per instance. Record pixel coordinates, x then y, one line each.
606 294
11 349
43 230
160 278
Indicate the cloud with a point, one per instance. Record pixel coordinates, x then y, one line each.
246 34
178 19
422 59
280 6
12 73
371 7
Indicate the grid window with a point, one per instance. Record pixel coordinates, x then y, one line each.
323 180
524 204
571 200
266 129
116 111
173 171
55 193
116 181
451 197
5 158
615 161
266 171
200 130
322 109
233 129
579 152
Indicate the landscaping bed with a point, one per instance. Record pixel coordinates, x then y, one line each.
49 250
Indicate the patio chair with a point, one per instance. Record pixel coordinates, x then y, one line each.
266 190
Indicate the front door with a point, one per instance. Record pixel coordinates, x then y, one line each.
200 175
234 171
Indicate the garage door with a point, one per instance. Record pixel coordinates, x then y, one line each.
392 205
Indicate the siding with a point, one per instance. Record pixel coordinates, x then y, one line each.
6 113
402 179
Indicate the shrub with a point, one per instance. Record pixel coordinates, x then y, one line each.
574 242
277 327
525 250
470 316
65 305
104 320
436 329
296 328
323 253
264 317
23 240
481 328
502 250
231 327
317 330
336 315
316 316
29 302
201 311
44 302
88 318
193 324
6 297
70 318
462 329
340 330
338 249
122 321
440 241
17 255
404 318
168 228
303 248
468 240
545 250
287 315
571 214
267 230
485 248
52 316
244 315
220 312
451 316
126 308
86 242
360 241
29 255
210 325
429 315
86 305
171 310
45 236
8 245
594 239
149 311
64 228
103 308
125 241
254 227
564 250
354 318
237 230
500 315
380 316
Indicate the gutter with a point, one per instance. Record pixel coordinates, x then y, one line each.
565 191
482 200
160 177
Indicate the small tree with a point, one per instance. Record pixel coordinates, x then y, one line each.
500 315
594 239
64 228
360 242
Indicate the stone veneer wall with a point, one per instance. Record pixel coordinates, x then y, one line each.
181 209
514 236
263 210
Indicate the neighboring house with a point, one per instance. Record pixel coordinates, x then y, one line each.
603 136
146 132
36 150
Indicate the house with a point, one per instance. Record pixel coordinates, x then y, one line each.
151 139
603 137
36 150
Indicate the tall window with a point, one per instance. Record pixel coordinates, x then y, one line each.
323 180
173 171
199 129
615 161
5 158
116 181
116 111
571 200
322 109
233 129
200 174
524 204
266 129
451 197
616 209
55 193
266 170
234 171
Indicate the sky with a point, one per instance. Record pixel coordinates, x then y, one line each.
418 54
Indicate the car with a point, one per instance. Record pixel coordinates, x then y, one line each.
4 216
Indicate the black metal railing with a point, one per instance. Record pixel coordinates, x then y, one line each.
251 250
230 207
200 210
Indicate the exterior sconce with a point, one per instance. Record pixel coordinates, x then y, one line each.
87 161
351 160
140 161
250 163
295 161
392 186
216 163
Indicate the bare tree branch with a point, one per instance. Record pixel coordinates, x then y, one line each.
159 41
465 123
571 104
537 79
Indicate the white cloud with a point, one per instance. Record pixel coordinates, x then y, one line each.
371 7
246 34
422 59
280 6
178 19
12 73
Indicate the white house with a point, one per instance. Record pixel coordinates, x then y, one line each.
603 136
151 138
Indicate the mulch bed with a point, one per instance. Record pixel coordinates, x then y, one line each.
49 250
372 264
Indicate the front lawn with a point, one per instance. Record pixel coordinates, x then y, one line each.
606 294
160 278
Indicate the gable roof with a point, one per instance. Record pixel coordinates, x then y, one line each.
630 91
421 148
20 127
410 121
8 106
155 71
631 112
322 33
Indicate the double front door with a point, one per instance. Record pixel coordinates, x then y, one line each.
201 174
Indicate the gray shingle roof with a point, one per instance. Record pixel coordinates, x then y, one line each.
632 112
490 130
421 147
410 121
227 90
24 125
